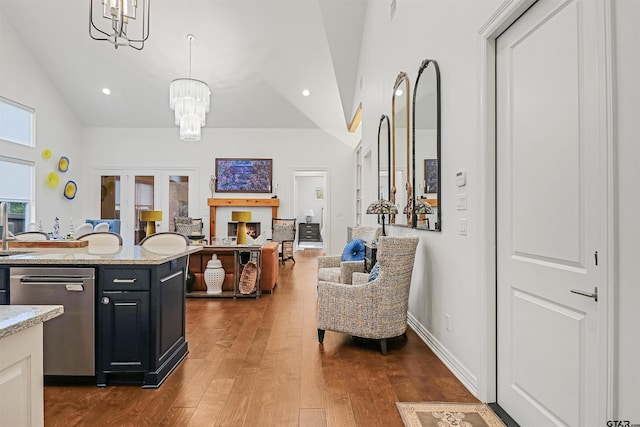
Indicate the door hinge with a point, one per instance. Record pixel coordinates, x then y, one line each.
595 256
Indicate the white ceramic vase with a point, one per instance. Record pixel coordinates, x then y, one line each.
214 276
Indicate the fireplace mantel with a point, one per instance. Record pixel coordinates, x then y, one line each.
245 203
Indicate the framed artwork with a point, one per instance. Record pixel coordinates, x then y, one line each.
243 175
431 175
319 193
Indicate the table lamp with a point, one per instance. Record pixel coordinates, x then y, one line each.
242 218
382 207
151 217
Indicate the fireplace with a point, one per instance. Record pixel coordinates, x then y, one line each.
230 204
253 229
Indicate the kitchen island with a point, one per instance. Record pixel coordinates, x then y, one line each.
139 306
21 396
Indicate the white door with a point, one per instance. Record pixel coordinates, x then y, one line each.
550 222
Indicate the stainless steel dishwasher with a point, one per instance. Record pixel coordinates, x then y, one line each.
69 340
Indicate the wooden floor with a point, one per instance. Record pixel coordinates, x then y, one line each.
258 363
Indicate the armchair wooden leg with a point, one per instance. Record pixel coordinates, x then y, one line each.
383 346
320 335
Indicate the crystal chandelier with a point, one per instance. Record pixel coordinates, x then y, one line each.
190 99
120 13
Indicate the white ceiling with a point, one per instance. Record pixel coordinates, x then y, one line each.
256 56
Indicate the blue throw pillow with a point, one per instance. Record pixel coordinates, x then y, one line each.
375 270
354 251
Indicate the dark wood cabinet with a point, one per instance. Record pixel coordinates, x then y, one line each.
141 321
123 336
309 232
4 286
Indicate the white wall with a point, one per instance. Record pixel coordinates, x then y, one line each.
626 208
445 273
289 148
22 80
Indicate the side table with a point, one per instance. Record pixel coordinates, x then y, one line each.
370 251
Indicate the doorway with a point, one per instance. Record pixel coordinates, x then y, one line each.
310 207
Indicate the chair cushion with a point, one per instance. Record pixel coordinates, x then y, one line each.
329 274
375 270
283 232
354 251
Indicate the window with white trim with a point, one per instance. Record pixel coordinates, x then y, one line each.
17 123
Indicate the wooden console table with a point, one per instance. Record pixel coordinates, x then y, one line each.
245 203
233 259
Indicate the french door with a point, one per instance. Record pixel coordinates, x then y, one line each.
124 194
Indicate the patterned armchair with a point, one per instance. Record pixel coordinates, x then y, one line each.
333 269
376 309
283 231
190 227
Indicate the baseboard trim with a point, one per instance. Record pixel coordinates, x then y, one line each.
450 361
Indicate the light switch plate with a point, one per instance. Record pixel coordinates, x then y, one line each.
461 178
461 201
462 226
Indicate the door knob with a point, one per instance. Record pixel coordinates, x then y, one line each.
105 300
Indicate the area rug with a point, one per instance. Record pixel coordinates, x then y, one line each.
439 414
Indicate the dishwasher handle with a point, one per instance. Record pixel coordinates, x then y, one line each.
52 280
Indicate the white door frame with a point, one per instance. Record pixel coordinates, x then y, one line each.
501 19
161 196
326 219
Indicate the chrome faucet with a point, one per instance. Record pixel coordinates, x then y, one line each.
5 226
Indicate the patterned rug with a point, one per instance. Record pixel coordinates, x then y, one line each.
433 414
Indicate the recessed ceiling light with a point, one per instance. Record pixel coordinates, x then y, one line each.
306 92
399 92
106 91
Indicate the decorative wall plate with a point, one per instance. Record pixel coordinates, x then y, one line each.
70 190
63 164
53 179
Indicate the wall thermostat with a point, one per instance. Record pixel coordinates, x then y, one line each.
461 178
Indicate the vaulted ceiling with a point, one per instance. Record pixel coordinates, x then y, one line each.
256 56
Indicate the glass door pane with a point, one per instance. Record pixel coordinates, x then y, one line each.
178 198
110 197
144 201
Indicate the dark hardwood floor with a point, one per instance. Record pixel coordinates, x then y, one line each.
258 363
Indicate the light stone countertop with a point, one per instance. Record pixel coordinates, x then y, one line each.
16 318
95 255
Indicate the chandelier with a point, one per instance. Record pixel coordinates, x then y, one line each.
190 99
120 13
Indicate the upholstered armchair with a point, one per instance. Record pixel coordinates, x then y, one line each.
376 309
283 231
333 269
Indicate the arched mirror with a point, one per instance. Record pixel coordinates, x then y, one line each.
384 157
401 194
426 147
384 162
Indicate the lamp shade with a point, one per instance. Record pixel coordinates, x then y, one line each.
240 216
150 215
421 207
382 207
